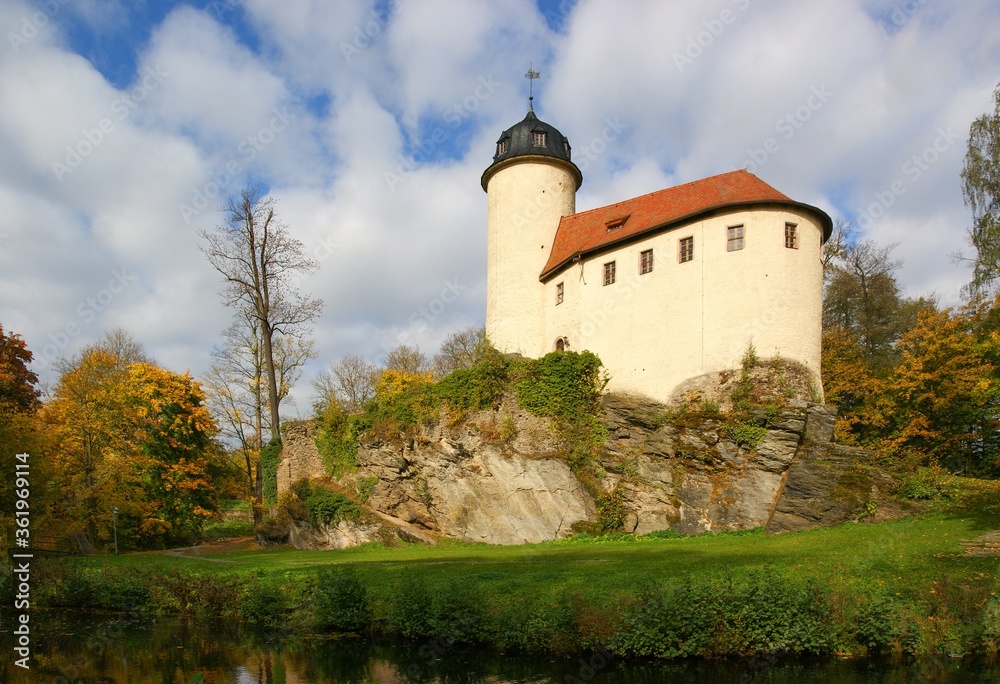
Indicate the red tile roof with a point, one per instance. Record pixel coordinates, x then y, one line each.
587 232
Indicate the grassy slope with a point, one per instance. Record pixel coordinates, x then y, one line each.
919 558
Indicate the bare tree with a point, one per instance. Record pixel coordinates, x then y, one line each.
261 264
406 359
349 382
237 392
459 350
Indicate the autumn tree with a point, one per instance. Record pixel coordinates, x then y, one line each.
18 393
945 390
18 434
173 460
123 432
981 190
261 264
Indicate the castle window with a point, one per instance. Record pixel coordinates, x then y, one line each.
645 261
685 249
734 239
562 344
566 149
539 138
609 273
791 236
502 147
559 294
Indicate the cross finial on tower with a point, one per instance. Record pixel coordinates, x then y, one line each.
531 76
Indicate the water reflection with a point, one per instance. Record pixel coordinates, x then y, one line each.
139 650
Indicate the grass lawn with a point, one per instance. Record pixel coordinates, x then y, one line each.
919 558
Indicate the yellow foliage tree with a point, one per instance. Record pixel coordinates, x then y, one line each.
135 436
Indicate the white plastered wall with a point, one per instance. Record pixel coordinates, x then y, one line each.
683 320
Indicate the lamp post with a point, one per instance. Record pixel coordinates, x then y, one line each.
114 523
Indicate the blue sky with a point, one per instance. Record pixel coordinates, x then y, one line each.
123 126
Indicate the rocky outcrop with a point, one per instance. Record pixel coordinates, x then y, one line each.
689 475
470 482
341 535
499 476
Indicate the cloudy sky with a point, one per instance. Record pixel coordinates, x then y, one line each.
125 125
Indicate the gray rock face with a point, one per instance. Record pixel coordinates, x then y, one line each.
342 535
825 486
499 477
465 482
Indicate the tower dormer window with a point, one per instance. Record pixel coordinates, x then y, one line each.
502 146
566 149
539 138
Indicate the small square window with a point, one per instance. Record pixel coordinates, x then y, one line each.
609 273
686 250
791 236
559 294
539 138
645 261
734 238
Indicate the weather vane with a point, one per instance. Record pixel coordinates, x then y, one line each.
531 76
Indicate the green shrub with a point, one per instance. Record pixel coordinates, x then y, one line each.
365 486
611 511
337 440
744 434
341 601
477 388
760 612
327 507
925 484
883 624
561 385
270 457
260 603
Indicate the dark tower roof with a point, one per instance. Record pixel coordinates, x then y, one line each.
531 137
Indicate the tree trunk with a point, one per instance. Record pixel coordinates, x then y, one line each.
272 381
258 509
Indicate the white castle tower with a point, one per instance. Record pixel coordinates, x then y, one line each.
530 186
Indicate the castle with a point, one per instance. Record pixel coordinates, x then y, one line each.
665 288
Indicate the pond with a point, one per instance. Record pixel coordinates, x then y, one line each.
140 649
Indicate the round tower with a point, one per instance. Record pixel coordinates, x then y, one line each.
530 186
